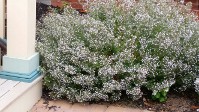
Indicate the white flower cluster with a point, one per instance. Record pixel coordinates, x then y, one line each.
163 85
118 47
196 83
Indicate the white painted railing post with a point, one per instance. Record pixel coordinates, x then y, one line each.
2 18
21 62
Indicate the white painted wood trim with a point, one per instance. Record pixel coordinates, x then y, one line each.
7 86
22 97
2 81
21 28
2 18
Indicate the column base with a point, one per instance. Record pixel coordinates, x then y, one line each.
24 70
20 77
21 66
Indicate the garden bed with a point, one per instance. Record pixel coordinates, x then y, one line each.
176 102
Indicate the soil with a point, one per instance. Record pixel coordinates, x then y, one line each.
187 101
177 102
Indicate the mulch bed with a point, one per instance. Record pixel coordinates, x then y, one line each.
187 101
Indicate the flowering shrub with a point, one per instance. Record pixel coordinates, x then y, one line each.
119 47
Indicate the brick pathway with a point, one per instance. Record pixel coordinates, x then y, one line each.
63 106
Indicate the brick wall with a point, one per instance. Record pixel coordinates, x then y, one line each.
195 5
76 4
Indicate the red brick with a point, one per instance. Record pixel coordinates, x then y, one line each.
56 3
76 6
195 7
193 1
82 1
72 1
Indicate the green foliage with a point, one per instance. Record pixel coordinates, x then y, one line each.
160 96
118 48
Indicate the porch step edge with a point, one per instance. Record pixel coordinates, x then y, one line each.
22 97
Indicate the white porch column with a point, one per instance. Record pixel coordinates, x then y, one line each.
21 62
21 17
2 18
